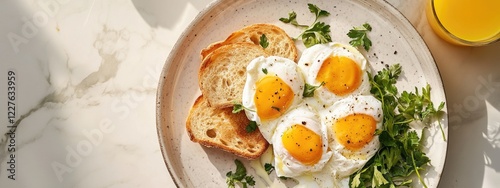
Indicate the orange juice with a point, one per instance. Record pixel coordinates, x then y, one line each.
465 22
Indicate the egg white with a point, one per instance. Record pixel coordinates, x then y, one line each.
285 164
320 112
285 69
345 162
311 61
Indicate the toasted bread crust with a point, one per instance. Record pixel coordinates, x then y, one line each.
222 73
222 77
280 44
220 128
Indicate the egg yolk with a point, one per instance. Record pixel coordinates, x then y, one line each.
303 144
272 97
341 75
355 131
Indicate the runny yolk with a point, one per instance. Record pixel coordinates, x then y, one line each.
355 131
272 97
341 75
303 144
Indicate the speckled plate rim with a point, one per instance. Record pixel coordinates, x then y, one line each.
162 82
168 79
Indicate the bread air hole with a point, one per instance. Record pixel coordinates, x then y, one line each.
227 82
255 39
211 133
223 142
251 148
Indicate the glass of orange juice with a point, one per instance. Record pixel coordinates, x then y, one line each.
465 22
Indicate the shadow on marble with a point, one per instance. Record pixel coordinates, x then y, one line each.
492 134
38 138
166 13
471 78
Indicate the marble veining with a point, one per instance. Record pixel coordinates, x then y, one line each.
86 86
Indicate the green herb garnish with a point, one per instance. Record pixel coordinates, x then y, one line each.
309 89
317 32
269 168
251 127
317 11
240 176
292 19
359 36
264 70
263 41
237 107
400 154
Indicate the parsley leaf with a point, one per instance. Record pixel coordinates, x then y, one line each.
269 168
263 41
317 32
264 70
249 180
317 11
239 176
251 127
354 181
292 19
359 36
237 107
309 89
378 178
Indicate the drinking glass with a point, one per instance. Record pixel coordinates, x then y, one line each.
465 22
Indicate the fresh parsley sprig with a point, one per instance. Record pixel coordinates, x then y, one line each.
309 89
420 107
269 168
359 36
317 11
317 32
238 107
251 127
400 154
239 176
263 41
264 70
292 19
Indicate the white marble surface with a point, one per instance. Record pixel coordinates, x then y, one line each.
86 79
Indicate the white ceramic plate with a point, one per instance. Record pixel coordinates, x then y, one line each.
394 41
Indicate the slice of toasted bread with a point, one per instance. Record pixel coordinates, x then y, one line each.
222 73
220 128
280 44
